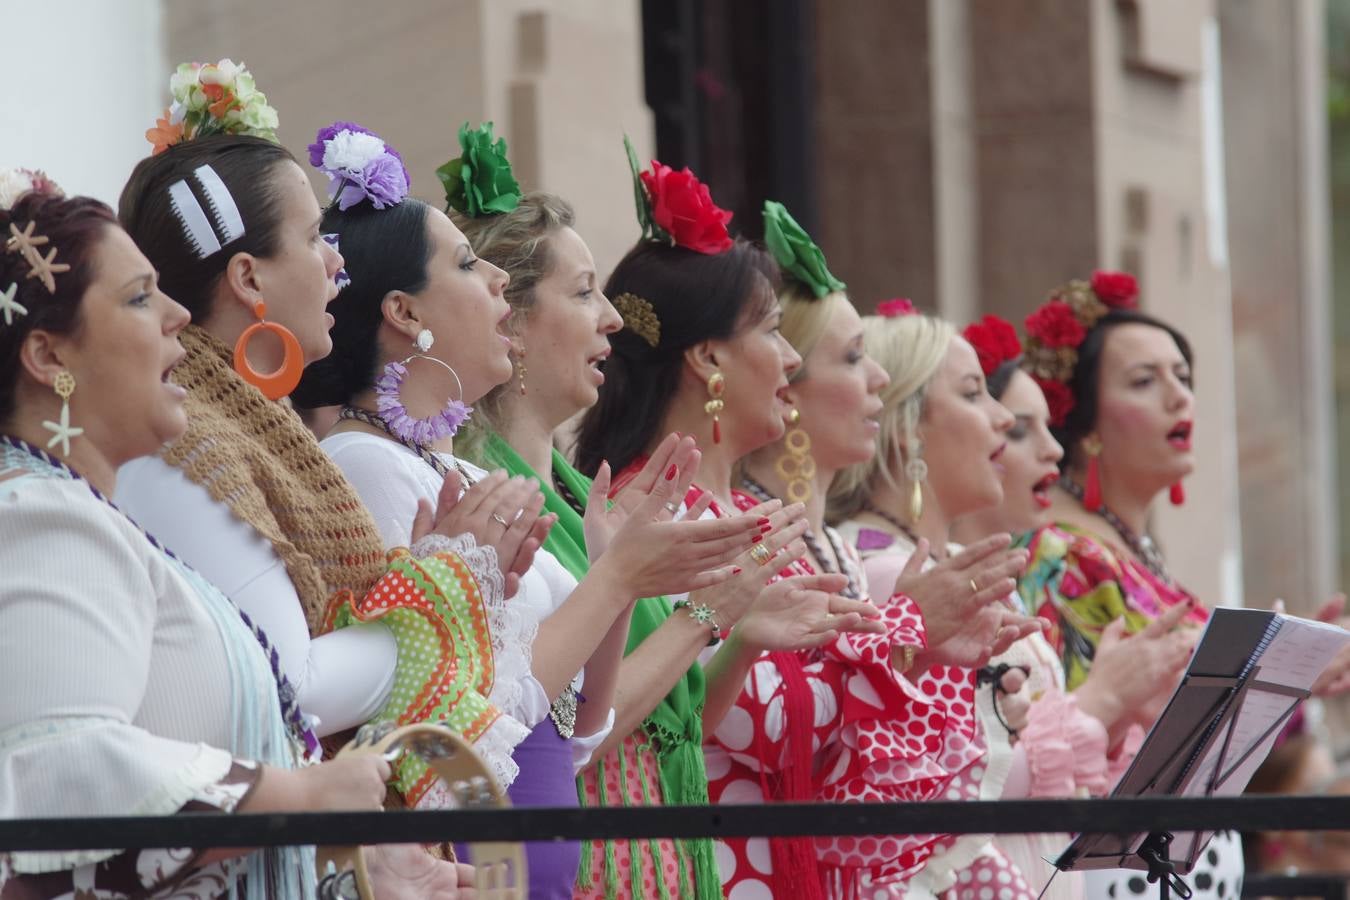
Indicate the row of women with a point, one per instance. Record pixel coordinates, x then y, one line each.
778 566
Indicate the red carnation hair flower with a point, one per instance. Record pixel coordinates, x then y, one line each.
1118 290
1058 398
995 342
896 306
1055 325
683 207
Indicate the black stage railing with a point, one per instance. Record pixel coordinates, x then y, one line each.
1119 816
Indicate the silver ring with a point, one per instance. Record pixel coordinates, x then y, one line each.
672 506
500 521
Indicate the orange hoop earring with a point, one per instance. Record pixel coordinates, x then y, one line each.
281 382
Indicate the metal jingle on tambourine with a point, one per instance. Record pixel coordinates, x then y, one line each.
339 886
500 866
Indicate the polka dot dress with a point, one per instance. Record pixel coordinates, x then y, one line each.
1216 876
875 737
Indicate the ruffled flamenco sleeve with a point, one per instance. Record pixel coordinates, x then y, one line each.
899 741
445 604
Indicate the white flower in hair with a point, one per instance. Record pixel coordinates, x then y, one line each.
351 151
14 183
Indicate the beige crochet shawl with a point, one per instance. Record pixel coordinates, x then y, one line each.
257 457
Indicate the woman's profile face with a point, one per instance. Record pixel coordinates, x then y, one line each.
964 434
755 365
464 306
565 333
1031 461
122 355
1145 407
297 282
838 394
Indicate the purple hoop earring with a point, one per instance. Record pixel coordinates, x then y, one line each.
426 431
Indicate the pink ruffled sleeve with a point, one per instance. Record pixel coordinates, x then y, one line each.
1065 748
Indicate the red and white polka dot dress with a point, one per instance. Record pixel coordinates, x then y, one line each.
875 736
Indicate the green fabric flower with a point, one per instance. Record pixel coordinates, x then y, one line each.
795 251
479 181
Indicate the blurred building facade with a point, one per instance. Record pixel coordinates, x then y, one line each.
969 154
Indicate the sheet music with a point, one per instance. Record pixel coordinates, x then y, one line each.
1300 651
1284 664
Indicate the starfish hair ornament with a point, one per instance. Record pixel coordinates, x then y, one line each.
26 243
9 307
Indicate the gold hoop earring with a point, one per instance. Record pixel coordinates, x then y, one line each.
796 466
62 431
916 470
717 386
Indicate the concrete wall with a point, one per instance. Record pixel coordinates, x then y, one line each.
83 79
561 80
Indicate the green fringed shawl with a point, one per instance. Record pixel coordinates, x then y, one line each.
674 729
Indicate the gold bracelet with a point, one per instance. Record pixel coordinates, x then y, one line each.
907 654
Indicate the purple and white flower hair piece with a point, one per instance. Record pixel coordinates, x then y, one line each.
359 166
422 432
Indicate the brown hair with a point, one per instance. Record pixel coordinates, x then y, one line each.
518 243
247 167
696 297
73 227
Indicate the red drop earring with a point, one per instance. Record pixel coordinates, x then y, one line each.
1177 494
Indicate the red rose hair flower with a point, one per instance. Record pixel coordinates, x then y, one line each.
1058 398
1118 290
1055 325
995 342
896 306
683 207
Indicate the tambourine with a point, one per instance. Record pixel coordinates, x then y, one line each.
499 867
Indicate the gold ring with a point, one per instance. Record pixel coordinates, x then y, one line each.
760 554
500 521
974 588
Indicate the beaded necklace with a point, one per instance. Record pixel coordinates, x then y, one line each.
430 457
1142 545
290 708
845 564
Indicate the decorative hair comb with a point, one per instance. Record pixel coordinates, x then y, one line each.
1058 328
479 182
639 317
676 208
206 234
215 98
796 253
359 165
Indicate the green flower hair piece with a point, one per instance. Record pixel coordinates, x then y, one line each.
650 230
479 182
795 251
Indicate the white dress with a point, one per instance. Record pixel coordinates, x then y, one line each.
130 689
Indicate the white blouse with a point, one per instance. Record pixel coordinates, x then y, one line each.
116 678
391 479
342 678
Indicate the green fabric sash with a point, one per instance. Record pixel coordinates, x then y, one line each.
674 728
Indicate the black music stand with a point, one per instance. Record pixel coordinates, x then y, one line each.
1217 728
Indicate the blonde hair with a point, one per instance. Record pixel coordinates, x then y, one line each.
910 349
805 317
517 242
